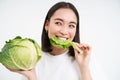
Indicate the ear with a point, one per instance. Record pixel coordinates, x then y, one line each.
46 25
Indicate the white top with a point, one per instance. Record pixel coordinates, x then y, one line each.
60 67
63 67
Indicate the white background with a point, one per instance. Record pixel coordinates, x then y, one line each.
99 24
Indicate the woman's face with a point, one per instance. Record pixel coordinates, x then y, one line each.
62 24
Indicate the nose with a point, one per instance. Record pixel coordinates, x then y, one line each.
64 31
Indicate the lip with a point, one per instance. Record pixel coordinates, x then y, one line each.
63 38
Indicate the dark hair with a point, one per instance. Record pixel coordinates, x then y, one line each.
46 46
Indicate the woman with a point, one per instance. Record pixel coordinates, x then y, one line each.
62 21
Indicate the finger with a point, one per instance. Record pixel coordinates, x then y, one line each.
85 48
77 48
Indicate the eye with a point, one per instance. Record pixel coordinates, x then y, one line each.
58 23
72 26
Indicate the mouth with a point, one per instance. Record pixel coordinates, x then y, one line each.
62 38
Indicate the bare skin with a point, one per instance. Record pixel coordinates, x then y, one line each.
83 61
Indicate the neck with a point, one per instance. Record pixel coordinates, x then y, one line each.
57 50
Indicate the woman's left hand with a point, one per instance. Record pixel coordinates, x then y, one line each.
84 57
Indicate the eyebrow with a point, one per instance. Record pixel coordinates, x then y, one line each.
63 20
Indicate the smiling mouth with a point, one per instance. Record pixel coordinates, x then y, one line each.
62 38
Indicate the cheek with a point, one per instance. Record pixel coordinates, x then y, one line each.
72 33
52 31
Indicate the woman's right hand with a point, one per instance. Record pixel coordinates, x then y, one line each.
30 74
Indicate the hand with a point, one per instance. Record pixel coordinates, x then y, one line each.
83 60
84 57
30 74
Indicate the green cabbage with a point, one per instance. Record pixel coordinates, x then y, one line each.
63 43
20 54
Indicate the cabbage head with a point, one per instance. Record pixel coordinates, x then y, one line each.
20 54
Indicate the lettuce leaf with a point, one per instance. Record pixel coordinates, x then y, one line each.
63 43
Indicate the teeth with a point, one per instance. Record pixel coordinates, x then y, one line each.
63 38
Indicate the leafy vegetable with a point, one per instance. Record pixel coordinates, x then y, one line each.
63 43
20 54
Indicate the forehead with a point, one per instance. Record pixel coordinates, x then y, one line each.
65 14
